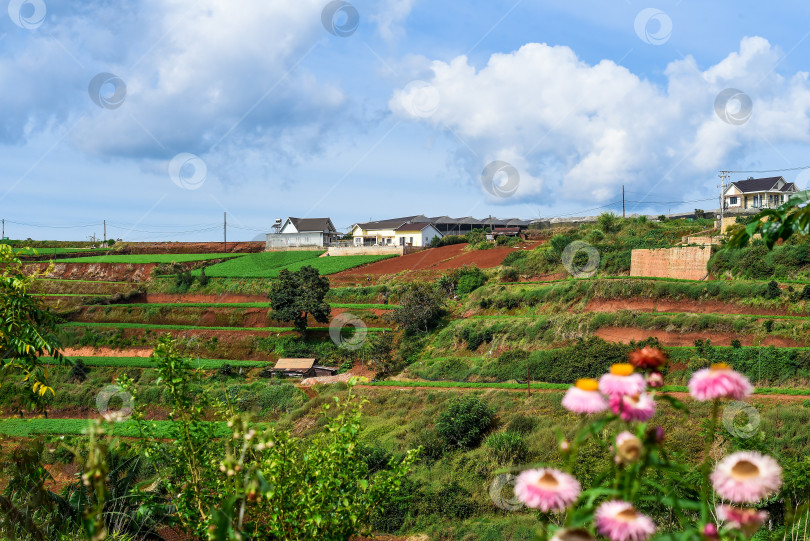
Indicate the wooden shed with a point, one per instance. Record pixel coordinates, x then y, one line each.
302 368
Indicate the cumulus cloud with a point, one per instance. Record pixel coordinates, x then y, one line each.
390 16
578 132
200 75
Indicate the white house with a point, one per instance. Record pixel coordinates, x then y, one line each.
416 234
303 232
758 193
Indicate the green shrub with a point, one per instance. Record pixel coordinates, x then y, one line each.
468 284
514 257
465 422
507 447
509 275
773 291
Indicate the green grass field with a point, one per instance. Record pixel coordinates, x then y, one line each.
269 264
146 362
28 427
63 250
261 265
155 326
147 258
358 306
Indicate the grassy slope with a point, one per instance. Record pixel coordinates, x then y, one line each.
269 264
118 325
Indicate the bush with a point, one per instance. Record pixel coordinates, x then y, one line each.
447 240
521 424
509 275
609 222
773 291
468 284
507 447
202 278
78 372
514 257
736 344
465 422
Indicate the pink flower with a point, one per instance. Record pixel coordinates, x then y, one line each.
710 531
547 489
655 380
584 397
719 381
638 407
746 477
628 448
746 520
621 380
619 521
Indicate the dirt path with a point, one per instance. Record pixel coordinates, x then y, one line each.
627 334
687 306
88 351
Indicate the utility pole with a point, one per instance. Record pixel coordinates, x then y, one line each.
4 229
723 175
225 231
105 231
622 200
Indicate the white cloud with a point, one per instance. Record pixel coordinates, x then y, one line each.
390 17
581 131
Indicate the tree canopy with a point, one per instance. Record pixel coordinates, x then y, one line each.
296 295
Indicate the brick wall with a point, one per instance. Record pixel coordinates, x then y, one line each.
688 262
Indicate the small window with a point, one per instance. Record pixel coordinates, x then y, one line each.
732 200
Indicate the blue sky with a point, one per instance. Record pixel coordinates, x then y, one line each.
400 117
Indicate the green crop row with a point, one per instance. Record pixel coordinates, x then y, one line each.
230 304
146 362
119 325
29 427
269 264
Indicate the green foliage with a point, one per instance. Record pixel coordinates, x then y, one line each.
513 257
270 264
773 291
507 447
465 421
27 329
447 240
509 275
420 307
609 222
296 295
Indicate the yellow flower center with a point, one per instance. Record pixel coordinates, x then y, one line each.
587 384
621 369
548 482
627 515
744 469
720 366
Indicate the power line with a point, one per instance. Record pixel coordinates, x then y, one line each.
773 170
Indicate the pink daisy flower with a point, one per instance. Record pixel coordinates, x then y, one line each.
633 407
584 397
619 521
746 520
719 381
547 489
655 380
621 380
746 477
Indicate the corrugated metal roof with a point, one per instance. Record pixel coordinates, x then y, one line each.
417 226
294 364
312 224
756 184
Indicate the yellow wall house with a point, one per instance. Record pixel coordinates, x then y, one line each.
394 232
758 193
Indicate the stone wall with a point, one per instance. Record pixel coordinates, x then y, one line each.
688 262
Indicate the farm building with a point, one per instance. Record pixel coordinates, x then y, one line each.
299 232
301 368
391 231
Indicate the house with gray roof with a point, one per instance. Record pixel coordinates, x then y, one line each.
303 232
758 193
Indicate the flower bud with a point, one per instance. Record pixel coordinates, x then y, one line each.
628 448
